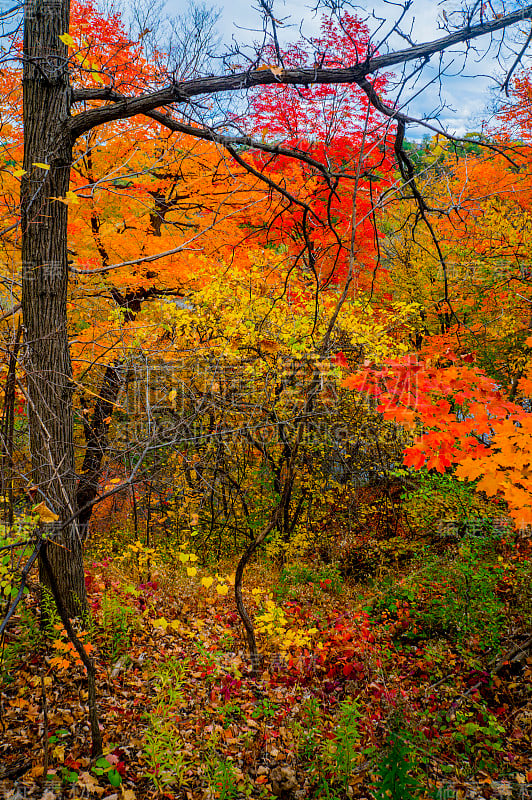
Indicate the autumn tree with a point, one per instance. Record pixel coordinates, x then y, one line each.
337 126
464 391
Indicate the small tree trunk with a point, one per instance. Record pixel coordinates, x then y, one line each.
96 437
256 660
6 434
46 108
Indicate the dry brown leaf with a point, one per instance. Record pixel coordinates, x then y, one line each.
45 514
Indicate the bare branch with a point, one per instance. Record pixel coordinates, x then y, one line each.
10 313
210 135
185 91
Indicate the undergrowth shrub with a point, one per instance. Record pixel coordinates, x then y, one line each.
369 556
50 619
394 779
163 751
307 730
118 622
446 508
454 598
478 738
221 775
324 576
282 628
342 752
330 761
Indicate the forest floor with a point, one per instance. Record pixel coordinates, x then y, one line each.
415 683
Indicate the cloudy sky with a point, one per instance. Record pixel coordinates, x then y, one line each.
464 91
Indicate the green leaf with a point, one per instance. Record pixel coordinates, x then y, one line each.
115 779
471 728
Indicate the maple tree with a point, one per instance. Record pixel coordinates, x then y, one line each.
465 421
337 126
468 273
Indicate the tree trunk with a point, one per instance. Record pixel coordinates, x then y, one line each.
7 427
46 108
96 438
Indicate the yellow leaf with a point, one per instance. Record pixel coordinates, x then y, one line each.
44 513
490 483
61 200
191 571
184 557
18 173
67 39
72 196
207 582
222 589
115 480
59 753
41 165
172 396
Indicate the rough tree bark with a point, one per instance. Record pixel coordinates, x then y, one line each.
46 108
